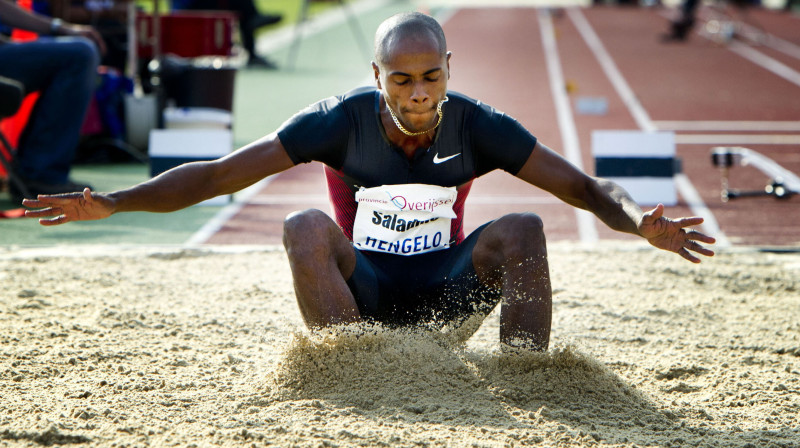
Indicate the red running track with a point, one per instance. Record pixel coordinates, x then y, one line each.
499 58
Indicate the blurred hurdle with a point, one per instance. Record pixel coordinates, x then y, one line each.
641 162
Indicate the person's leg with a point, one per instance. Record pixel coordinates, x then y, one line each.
321 259
250 16
688 10
511 254
247 34
682 27
245 8
64 72
210 5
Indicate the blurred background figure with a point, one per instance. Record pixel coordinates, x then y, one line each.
731 12
680 28
61 65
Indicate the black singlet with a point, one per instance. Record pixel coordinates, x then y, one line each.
346 134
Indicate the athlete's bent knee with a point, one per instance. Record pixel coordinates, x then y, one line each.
312 239
524 222
522 235
305 226
522 227
512 238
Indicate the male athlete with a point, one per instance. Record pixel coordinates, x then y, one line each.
400 161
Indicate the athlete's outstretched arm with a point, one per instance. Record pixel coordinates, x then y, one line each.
612 204
172 190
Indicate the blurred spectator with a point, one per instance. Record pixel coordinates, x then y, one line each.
679 29
108 17
250 19
62 67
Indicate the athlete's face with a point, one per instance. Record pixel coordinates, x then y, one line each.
413 79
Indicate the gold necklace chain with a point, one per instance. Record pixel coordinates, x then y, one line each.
414 134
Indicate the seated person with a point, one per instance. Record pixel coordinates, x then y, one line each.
108 17
63 69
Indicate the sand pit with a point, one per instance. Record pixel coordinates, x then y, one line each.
173 347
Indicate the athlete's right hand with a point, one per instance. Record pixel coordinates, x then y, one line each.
64 208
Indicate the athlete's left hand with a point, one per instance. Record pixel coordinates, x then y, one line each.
672 235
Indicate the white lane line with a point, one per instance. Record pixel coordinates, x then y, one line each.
684 185
749 32
759 58
213 226
566 122
738 126
587 230
698 207
766 62
737 139
624 91
760 37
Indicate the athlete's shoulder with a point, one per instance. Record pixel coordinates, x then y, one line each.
336 103
359 95
459 97
458 100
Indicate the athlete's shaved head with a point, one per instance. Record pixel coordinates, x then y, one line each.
404 25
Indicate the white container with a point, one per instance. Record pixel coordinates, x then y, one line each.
197 118
141 116
172 147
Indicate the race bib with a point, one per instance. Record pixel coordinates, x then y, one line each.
406 219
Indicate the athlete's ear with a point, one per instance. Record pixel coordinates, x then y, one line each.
449 54
377 72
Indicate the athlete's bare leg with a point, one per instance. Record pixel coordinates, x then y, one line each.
511 254
321 259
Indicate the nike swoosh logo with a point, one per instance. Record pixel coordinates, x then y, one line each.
437 160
